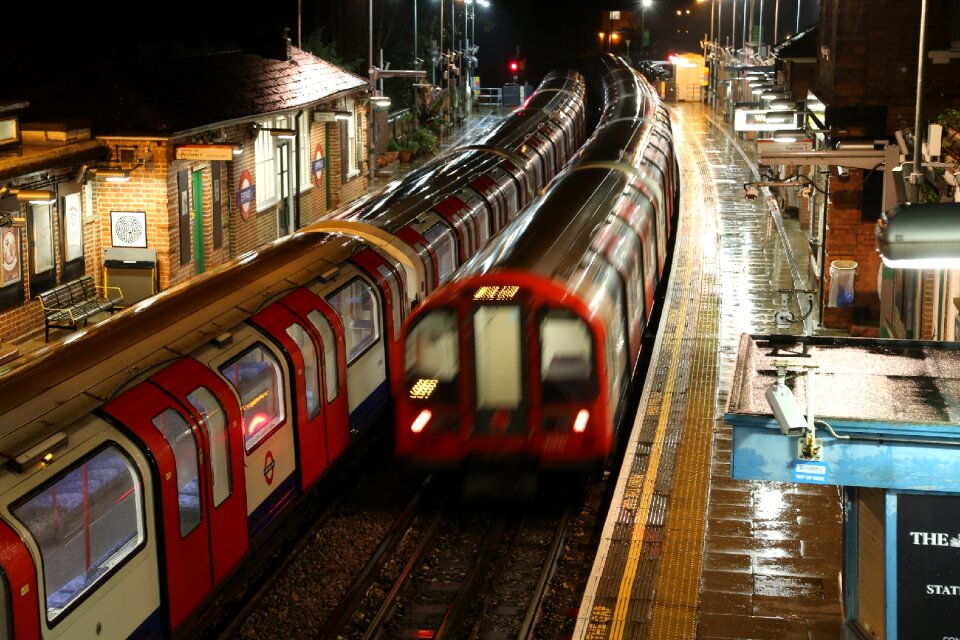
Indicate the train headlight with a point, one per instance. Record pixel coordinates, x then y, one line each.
421 421
580 423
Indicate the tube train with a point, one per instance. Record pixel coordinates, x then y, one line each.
527 354
144 459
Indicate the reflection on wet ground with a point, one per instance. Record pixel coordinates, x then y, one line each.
772 556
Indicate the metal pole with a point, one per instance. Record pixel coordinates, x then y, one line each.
371 117
733 27
744 43
299 39
760 32
414 33
798 16
776 22
712 3
916 178
720 23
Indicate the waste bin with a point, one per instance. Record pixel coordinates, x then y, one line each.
132 269
842 276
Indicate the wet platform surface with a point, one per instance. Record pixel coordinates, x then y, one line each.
688 552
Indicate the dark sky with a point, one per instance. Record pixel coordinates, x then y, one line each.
543 31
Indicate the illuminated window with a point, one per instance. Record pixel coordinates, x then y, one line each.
356 303
178 434
41 216
215 422
85 523
306 151
310 373
351 150
265 156
258 380
432 353
498 357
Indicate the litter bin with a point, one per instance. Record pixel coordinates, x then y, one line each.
842 276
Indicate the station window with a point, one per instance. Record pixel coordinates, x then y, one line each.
329 345
441 240
311 374
85 523
432 353
179 435
215 422
257 378
356 303
566 358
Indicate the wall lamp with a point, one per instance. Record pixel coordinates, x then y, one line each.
33 196
110 174
238 149
920 236
282 134
380 101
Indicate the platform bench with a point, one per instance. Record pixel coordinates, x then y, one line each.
70 304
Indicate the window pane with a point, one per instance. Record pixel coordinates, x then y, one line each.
215 422
441 239
329 353
42 237
497 350
310 374
72 227
357 306
256 377
565 358
179 436
85 523
433 355
391 278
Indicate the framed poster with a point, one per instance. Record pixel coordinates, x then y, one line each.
128 228
10 251
72 227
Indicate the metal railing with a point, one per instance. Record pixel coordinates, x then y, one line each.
489 96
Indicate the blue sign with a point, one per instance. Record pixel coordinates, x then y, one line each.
810 472
318 165
248 195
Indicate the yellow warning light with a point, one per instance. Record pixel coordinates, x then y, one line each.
494 294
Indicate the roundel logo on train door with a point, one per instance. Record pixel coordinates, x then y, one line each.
246 195
318 165
268 466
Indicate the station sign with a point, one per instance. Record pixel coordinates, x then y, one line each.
324 116
764 120
204 152
781 144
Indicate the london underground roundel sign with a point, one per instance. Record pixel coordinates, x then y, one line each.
318 165
246 195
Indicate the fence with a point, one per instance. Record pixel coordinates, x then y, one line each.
490 96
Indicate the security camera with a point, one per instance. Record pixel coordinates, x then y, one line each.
786 410
752 192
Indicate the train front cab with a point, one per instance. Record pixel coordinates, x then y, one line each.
502 370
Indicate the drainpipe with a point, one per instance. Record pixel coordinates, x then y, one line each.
296 165
326 155
916 178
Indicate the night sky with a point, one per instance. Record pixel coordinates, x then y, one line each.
544 32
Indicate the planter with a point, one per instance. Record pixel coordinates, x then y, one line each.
405 155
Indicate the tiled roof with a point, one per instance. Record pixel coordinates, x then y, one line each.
167 97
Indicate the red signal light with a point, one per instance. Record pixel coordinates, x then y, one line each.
514 66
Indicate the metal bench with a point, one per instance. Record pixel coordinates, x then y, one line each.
69 304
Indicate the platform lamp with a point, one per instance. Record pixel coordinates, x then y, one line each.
644 5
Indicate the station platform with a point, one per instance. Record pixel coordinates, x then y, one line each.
686 551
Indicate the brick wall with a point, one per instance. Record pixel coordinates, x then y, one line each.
849 238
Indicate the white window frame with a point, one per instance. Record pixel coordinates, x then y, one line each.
351 151
265 158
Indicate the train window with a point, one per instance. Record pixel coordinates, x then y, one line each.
329 346
86 523
179 435
498 357
391 277
441 239
311 375
215 421
6 611
257 378
357 305
432 353
566 358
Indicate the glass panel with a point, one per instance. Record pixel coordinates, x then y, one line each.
42 237
441 240
566 358
432 354
311 374
178 434
329 345
85 523
215 422
394 296
72 227
497 350
357 305
256 377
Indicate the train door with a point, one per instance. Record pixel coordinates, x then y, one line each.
295 338
327 330
178 450
389 282
19 608
214 408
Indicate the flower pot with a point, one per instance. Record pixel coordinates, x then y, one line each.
405 155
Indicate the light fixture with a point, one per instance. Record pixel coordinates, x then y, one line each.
341 115
110 174
237 149
920 236
42 452
380 101
283 134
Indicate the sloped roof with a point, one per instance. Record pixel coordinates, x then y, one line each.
168 97
802 45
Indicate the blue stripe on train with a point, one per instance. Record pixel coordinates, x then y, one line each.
149 629
273 506
370 409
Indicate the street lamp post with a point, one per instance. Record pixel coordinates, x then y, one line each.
643 31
